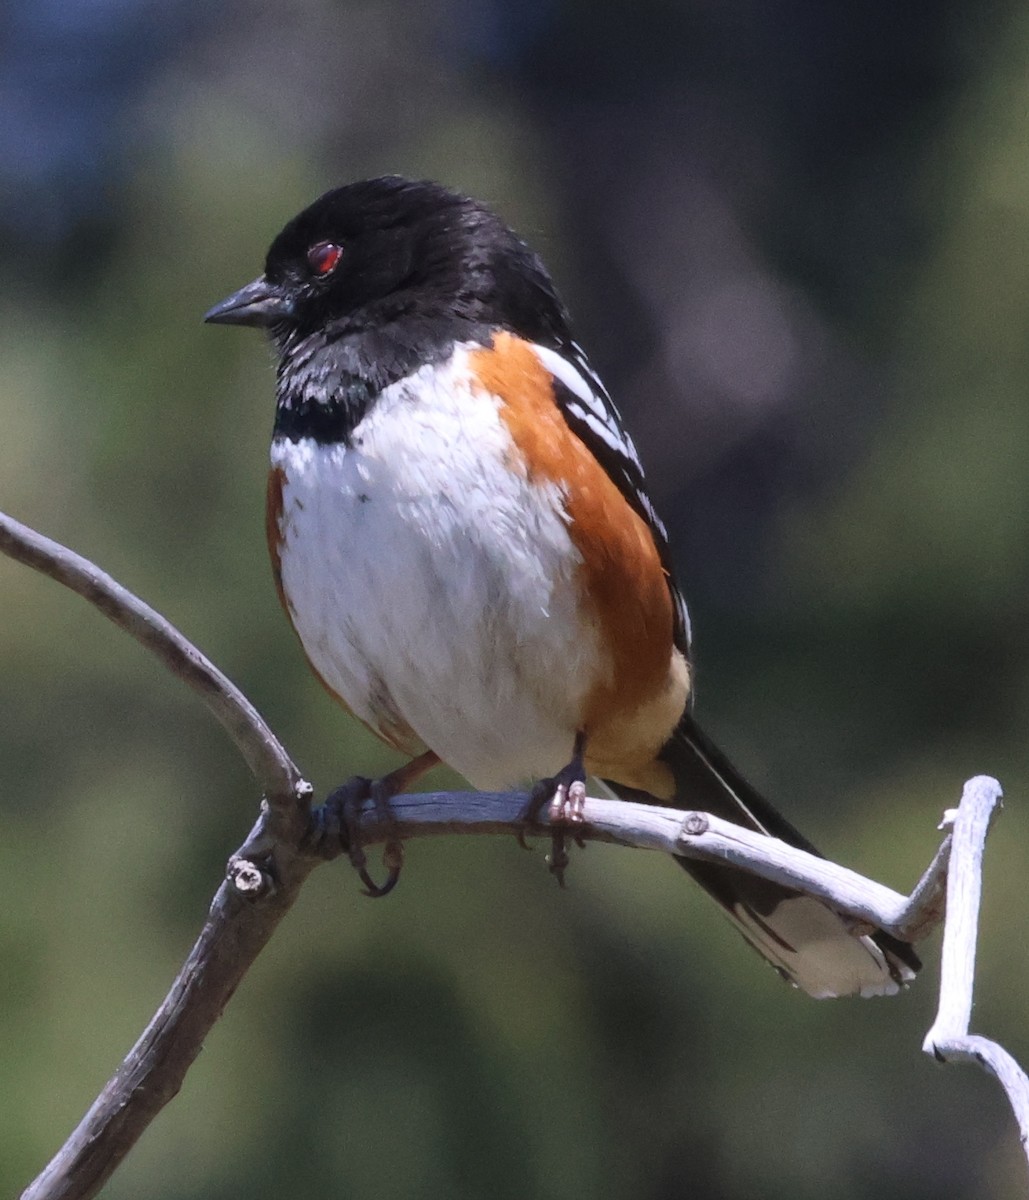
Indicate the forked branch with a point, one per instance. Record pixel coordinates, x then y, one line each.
265 875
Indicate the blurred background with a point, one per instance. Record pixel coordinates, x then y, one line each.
795 237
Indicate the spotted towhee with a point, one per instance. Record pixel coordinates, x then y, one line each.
462 537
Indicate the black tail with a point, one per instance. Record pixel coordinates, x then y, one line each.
806 941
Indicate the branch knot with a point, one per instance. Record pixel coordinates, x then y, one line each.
694 824
249 880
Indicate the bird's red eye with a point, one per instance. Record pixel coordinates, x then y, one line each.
323 257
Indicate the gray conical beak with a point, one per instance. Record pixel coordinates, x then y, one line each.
259 303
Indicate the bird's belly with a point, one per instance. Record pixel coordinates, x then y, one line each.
435 589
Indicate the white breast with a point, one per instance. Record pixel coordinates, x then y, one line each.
433 586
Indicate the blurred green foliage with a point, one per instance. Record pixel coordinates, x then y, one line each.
482 1033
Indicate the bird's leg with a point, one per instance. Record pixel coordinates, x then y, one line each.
344 807
565 792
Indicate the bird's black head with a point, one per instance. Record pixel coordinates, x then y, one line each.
377 279
393 252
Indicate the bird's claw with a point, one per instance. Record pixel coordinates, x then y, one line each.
340 820
567 810
565 795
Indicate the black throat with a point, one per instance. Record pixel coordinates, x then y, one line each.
328 380
421 270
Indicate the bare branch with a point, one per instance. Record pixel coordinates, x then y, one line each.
235 931
267 758
265 875
692 834
245 912
949 1040
234 934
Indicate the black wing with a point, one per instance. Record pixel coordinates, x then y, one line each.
593 418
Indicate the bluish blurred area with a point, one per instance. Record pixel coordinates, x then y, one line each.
72 72
794 237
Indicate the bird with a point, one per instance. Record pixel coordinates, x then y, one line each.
462 538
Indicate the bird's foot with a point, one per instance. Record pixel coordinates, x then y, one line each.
336 825
565 794
566 813
339 826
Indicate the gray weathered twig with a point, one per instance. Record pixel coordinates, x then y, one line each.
949 1040
235 931
265 875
